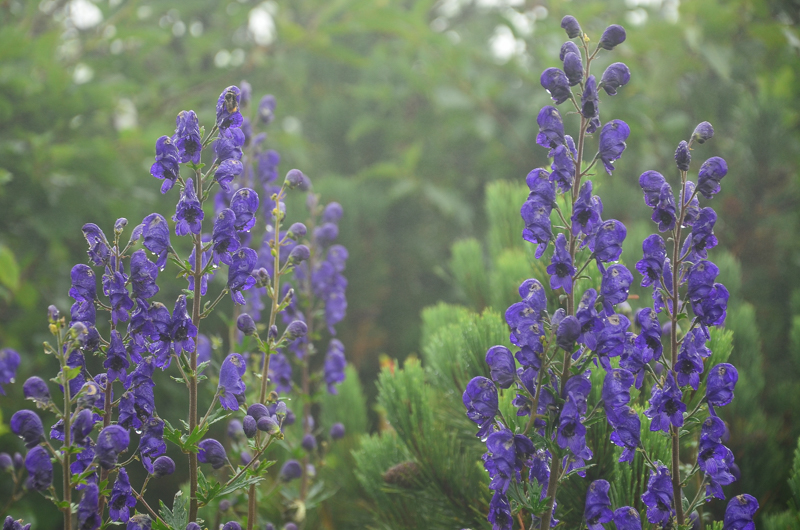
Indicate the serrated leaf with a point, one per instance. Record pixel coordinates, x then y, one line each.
241 482
178 517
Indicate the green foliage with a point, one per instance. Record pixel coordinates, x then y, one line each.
468 268
790 519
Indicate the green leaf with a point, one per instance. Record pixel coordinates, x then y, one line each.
9 269
178 517
241 482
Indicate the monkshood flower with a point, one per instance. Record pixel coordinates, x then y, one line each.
187 138
230 381
651 183
114 286
713 458
167 164
11 524
143 522
666 406
683 157
212 452
702 237
614 287
720 383
335 364
40 469
9 362
244 204
704 131
116 362
627 518
557 85
122 499
612 143
651 266
89 517
607 243
536 210
82 425
689 366
480 399
291 470
280 372
99 252
505 457
664 210
615 76
571 431
613 36
568 331
84 283
156 237
587 316
617 389
560 269
500 512
151 444
608 340
658 497
700 280
573 66
551 128
224 236
740 512
35 389
27 425
711 173
266 109
563 166
188 213
627 431
590 104
692 207
586 212
143 276
501 365
111 441
296 179
240 277
650 335
161 345
181 328
598 506
337 431
228 114
571 26
163 466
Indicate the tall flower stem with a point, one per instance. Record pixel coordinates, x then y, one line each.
198 276
67 443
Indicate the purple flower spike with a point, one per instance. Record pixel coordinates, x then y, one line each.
740 512
720 382
598 505
571 26
84 283
156 237
612 143
560 269
40 469
501 365
480 399
613 36
212 452
187 137
9 362
244 204
627 518
167 164
551 128
711 173
122 499
228 114
230 381
27 425
239 273
658 497
335 364
703 132
557 85
608 241
188 213
110 442
615 76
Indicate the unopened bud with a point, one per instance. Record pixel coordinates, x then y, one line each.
296 231
246 324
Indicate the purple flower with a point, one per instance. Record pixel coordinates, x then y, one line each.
563 167
713 458
571 26
181 328
266 109
658 497
551 128
187 137
740 512
587 316
212 452
188 213
501 365
280 371
297 179
557 85
167 164
560 269
480 399
335 364
536 209
246 324
500 512
116 362
35 388
651 266
88 509
616 389
614 287
666 406
573 67
598 506
702 237
689 364
720 383
651 183
711 309
27 425
711 173
268 424
224 236
613 35
9 362
122 499
609 338
650 336
337 431
161 345
143 276
114 286
586 212
692 207
627 518
568 331
11 524
571 431
506 453
703 132
615 76
151 444
156 237
612 143
99 253
291 470
163 466
40 469
607 243
84 284
664 210
230 381
627 431
683 157
240 278
590 102
143 522
228 114
700 280
111 441
227 170
244 204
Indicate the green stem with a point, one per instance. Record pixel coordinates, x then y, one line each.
192 381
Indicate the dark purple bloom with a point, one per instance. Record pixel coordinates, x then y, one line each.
114 286
309 443
711 173
614 287
720 383
187 137
122 499
257 411
230 381
224 236
299 254
692 207
551 128
335 364
616 389
40 469
689 364
240 278
703 132
615 76
143 276
568 47
27 425
35 388
612 142
658 497
598 506
212 452
712 309
573 67
188 213
480 399
627 431
563 166
613 35
607 243
11 524
332 213
268 424
116 362
500 512
702 237
666 406
9 362
664 210
84 284
740 512
337 431
560 269
587 316
506 453
151 444
266 108
228 169
713 458
590 102
181 327
163 466
536 209
111 441
627 518
571 431
88 509
161 345
586 212
609 338
700 280
501 365
651 266
297 179
249 426
143 522
571 26
233 525
557 85
683 157
569 329
280 372
99 252
156 237
167 164
244 204
228 114
296 231
650 336
246 324
651 183
291 470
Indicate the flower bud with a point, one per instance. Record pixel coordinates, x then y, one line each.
571 26
224 505
682 156
163 466
246 324
614 35
268 425
704 131
332 213
53 314
280 410
6 463
120 225
266 112
299 254
249 426
297 231
273 332
569 329
291 470
296 179
36 389
18 461
309 443
192 526
212 452
257 411
296 329
337 431
262 277
232 525
235 429
27 425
